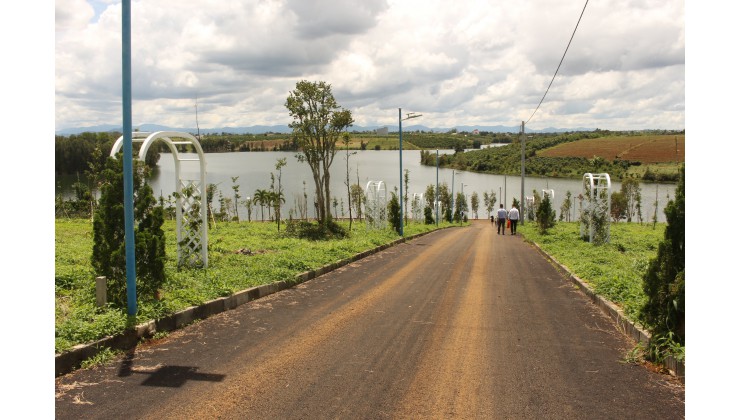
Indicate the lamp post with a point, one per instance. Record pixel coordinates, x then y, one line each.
436 195
400 158
453 191
128 165
521 203
462 193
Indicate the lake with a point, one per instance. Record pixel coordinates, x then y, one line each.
253 170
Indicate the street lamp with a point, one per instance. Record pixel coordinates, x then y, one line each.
400 158
436 195
462 193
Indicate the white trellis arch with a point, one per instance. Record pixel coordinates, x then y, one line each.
417 207
596 217
191 214
375 205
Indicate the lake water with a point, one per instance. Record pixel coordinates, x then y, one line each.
253 170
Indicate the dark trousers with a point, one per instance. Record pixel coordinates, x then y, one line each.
501 228
513 226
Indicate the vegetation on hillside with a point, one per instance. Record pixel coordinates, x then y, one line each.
540 161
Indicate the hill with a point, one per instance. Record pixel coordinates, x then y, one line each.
644 149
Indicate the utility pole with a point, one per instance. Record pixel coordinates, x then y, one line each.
436 195
521 201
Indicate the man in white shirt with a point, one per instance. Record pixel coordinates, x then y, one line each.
513 218
501 216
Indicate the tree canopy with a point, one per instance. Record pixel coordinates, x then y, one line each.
317 124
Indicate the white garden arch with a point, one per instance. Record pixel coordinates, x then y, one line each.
375 205
596 217
417 207
191 213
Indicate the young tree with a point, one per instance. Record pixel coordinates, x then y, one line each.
445 202
249 204
109 248
210 194
358 199
394 212
618 206
545 215
280 197
491 203
474 202
565 207
664 280
461 206
429 197
317 122
630 189
235 187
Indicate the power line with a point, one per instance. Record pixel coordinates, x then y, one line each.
561 62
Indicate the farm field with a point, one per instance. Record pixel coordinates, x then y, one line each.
645 149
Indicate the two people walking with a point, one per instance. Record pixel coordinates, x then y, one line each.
502 216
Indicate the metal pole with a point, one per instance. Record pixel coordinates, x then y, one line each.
521 201
453 193
400 166
128 172
462 193
436 195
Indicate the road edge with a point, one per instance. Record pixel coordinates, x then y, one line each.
71 360
627 327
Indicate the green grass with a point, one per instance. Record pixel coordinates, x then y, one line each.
276 257
613 270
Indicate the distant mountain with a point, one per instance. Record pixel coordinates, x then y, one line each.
260 129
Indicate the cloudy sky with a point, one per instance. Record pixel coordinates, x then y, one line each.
462 62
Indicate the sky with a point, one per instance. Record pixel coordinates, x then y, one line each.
463 62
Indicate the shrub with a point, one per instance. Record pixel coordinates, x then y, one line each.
428 216
315 231
394 213
545 215
664 280
109 248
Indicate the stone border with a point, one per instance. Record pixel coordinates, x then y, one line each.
627 327
70 360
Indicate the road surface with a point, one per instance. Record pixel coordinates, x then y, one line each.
460 323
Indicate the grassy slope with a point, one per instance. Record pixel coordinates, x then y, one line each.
614 270
276 257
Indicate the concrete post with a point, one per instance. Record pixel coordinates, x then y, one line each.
101 290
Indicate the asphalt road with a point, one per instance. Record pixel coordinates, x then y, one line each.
460 323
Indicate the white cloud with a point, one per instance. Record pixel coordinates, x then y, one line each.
459 63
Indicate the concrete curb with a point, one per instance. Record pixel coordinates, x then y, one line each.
627 327
70 360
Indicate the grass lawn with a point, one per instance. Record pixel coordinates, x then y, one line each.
275 257
613 270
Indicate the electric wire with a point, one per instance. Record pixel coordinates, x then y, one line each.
561 62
